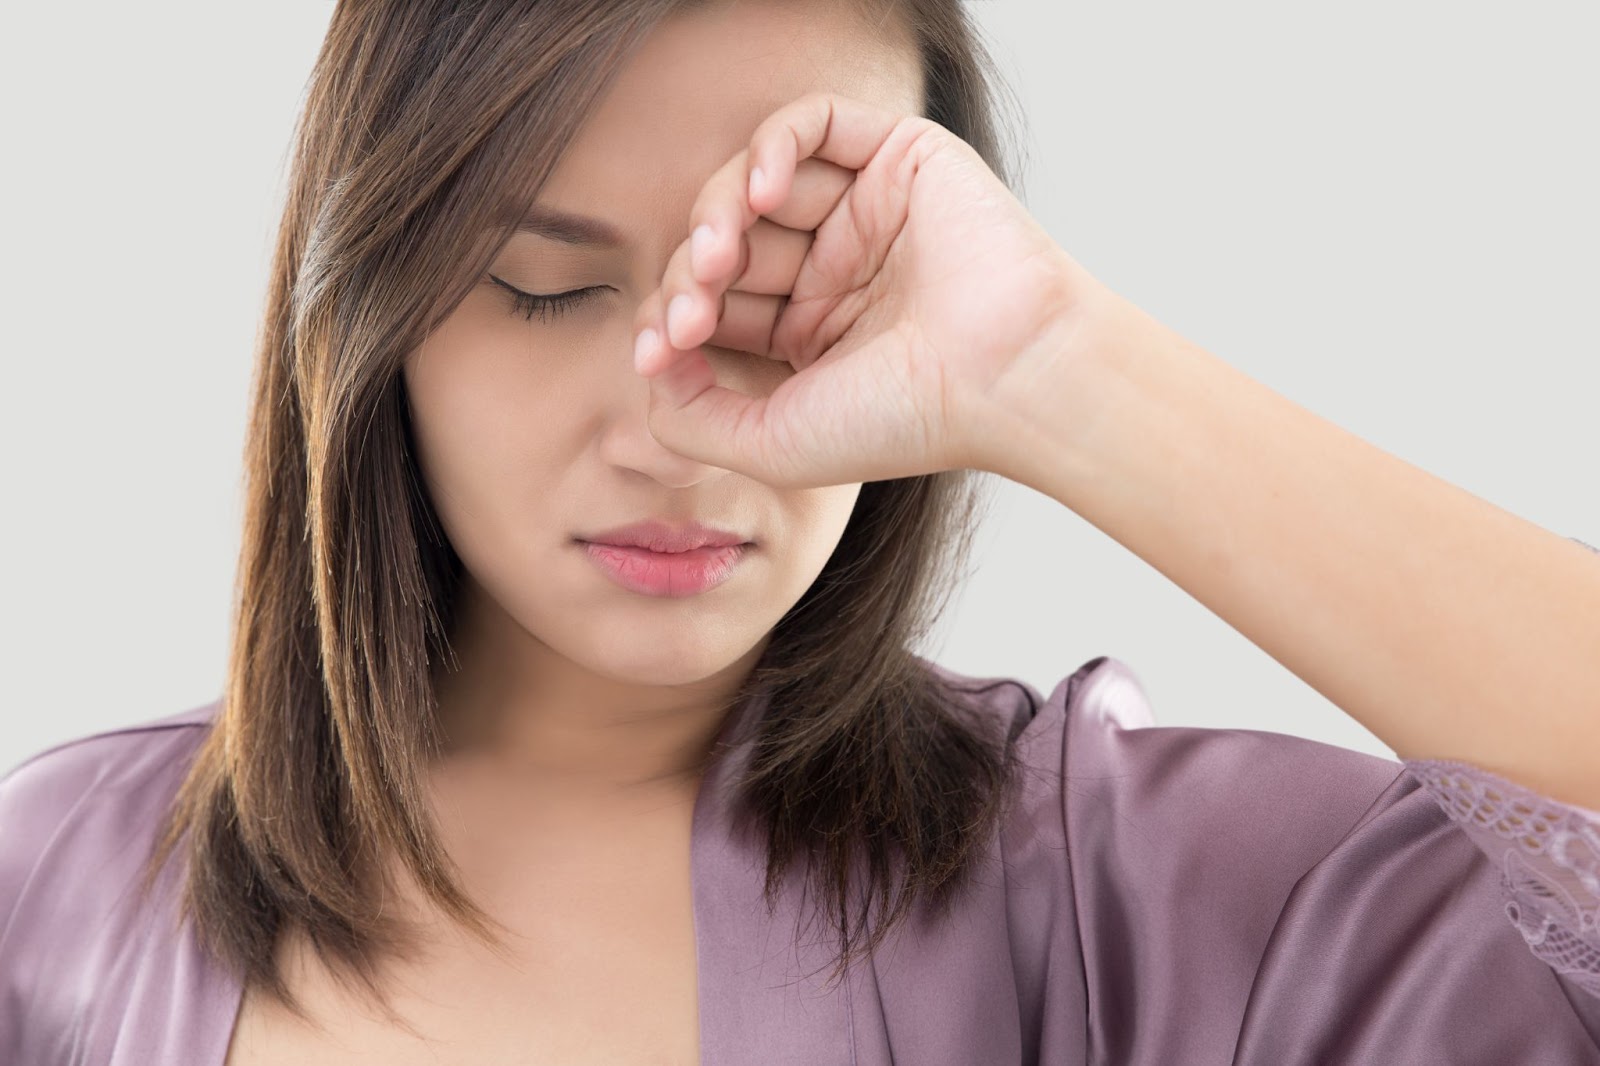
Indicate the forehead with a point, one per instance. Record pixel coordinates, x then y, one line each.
690 97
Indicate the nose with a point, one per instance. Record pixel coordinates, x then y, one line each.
628 443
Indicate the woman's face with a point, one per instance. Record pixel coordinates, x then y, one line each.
532 432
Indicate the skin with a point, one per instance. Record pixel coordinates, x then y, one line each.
533 432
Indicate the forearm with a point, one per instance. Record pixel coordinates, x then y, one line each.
1447 626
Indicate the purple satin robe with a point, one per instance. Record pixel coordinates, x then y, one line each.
1159 896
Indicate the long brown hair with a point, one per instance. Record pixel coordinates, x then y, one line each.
426 125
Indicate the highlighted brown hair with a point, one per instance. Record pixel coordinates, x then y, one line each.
426 125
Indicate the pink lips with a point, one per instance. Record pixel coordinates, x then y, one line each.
661 573
663 536
661 558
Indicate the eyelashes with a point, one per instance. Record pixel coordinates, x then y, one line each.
532 305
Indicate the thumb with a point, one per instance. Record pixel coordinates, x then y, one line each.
692 415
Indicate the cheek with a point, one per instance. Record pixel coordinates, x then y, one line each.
482 414
816 519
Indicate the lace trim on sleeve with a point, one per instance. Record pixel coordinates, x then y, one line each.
1548 854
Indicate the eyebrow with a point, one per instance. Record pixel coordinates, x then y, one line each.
545 221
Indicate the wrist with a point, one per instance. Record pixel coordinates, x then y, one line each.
1048 421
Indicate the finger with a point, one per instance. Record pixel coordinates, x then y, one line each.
692 415
745 315
814 192
653 351
770 258
746 326
743 321
769 261
691 309
812 188
827 126
698 312
766 259
650 350
723 210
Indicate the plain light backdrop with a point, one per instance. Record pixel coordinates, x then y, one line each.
1384 211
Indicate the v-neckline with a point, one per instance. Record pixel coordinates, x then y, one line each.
728 741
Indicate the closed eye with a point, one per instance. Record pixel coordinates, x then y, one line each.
546 307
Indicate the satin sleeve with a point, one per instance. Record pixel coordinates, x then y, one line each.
1259 899
1547 853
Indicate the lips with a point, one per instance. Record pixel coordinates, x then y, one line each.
669 574
661 536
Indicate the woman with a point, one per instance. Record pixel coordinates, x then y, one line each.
515 764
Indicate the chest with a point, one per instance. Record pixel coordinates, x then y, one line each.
599 967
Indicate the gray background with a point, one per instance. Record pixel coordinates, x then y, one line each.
1385 212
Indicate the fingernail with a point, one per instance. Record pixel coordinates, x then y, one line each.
677 317
643 345
758 182
699 244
